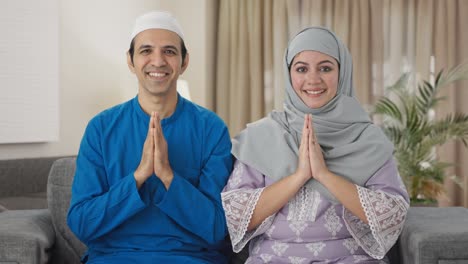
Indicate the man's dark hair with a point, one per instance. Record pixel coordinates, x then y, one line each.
182 44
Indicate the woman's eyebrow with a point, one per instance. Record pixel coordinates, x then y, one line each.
326 61
322 62
301 62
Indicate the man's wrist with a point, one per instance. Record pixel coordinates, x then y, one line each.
139 178
166 176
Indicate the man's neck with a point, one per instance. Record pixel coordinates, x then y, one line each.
164 105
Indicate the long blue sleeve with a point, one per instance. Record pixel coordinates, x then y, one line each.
191 205
109 214
97 208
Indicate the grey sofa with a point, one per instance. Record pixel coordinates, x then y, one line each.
41 235
23 183
430 236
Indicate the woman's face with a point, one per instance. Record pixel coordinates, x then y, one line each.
314 77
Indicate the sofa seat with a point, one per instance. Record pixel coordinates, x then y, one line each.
24 234
435 235
26 201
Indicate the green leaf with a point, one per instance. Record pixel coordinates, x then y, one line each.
405 120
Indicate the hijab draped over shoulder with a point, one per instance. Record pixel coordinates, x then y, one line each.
353 147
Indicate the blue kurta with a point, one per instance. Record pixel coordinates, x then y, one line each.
121 224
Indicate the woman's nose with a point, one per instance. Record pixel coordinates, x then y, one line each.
313 77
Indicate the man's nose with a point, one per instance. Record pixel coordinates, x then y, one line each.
158 59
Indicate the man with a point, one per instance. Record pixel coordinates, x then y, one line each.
150 171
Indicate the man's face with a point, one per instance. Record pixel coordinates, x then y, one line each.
157 62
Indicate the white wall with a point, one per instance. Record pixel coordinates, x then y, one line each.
94 38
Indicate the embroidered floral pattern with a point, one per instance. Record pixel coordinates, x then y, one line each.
279 248
304 206
351 245
238 208
266 258
332 221
315 248
359 258
236 176
297 260
297 227
310 228
386 215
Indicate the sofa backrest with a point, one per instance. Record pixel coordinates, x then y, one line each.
14 173
68 248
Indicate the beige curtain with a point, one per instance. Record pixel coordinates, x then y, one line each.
252 36
385 38
358 23
416 31
449 42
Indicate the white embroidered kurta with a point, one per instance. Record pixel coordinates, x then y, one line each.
311 228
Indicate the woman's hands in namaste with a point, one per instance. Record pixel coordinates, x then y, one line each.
311 163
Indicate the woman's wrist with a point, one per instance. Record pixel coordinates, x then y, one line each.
301 178
322 175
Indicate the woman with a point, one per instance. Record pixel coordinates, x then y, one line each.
316 182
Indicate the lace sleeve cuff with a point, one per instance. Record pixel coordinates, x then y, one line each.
239 206
386 215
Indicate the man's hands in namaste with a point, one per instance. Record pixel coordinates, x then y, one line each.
154 158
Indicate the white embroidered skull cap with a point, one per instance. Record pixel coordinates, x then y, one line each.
157 20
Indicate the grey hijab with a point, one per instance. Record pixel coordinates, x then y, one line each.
353 147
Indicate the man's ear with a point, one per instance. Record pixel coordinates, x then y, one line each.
186 62
130 63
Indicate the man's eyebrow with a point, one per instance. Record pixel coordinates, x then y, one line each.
148 46
171 47
145 46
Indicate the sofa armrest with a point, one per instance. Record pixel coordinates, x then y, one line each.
68 249
435 235
26 236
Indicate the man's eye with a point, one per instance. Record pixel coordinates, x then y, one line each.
172 52
145 51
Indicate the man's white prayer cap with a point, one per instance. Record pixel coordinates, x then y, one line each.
157 20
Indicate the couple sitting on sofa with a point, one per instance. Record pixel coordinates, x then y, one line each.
316 182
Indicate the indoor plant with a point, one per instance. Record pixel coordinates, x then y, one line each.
407 117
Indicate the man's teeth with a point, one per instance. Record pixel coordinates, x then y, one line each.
155 74
315 92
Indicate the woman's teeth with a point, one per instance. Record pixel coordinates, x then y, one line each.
315 92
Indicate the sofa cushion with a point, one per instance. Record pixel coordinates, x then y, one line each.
435 235
68 247
28 201
27 236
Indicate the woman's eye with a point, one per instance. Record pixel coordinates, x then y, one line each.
301 69
325 69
